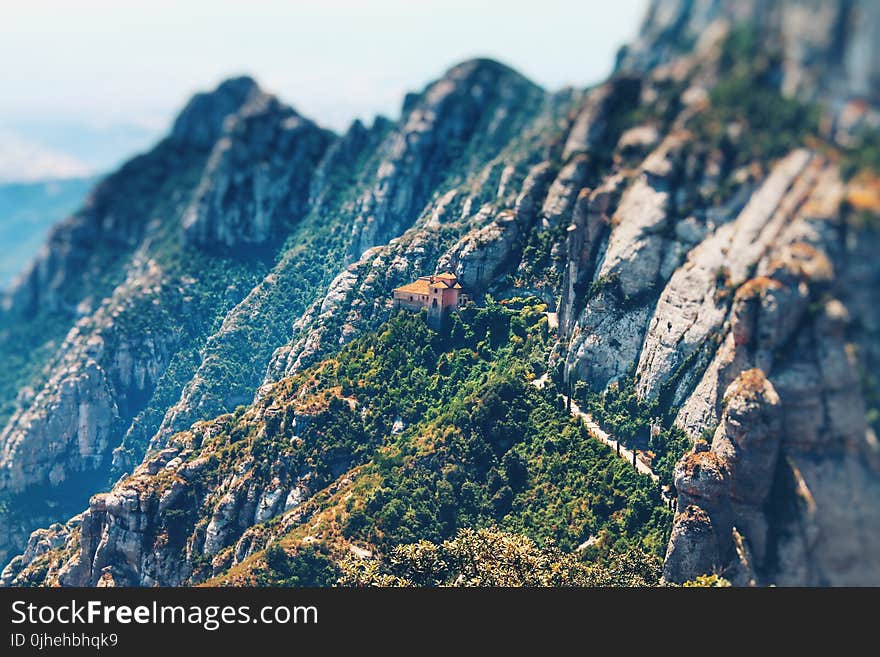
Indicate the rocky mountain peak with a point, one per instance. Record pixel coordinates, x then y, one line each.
257 179
201 121
482 67
468 88
473 110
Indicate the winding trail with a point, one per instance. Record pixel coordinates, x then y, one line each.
604 437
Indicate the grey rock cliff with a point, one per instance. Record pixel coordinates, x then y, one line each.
203 119
99 272
258 178
722 489
826 44
479 104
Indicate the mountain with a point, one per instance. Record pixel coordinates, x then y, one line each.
28 210
207 380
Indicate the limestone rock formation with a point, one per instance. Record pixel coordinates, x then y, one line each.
237 205
478 104
722 490
725 274
693 546
827 47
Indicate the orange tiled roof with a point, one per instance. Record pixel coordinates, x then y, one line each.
440 284
420 286
447 276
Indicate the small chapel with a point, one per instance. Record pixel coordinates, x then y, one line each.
440 294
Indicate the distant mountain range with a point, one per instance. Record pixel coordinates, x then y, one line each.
27 211
36 150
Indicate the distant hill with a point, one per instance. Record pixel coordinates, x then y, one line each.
27 211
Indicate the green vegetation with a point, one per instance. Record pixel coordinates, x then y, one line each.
146 187
626 416
864 156
489 449
708 582
440 433
24 349
308 566
540 269
749 119
871 393
488 557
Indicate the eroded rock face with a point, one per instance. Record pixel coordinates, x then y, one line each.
611 327
584 237
180 508
258 178
202 121
480 257
479 103
484 254
112 222
590 129
694 303
66 432
826 45
786 322
693 546
722 489
748 438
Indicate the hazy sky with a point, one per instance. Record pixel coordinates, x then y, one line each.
73 70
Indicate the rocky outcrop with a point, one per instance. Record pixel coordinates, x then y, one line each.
722 489
636 247
693 546
591 129
129 319
611 327
257 181
563 192
479 258
584 237
84 252
203 120
65 433
766 310
826 47
484 254
184 506
787 322
477 106
694 303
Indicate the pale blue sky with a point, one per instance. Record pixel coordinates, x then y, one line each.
76 69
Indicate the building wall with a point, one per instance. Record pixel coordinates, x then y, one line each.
447 300
412 302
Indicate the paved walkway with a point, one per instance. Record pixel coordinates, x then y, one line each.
603 436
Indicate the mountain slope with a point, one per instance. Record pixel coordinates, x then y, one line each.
702 224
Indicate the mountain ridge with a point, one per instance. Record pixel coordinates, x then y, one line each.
688 220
